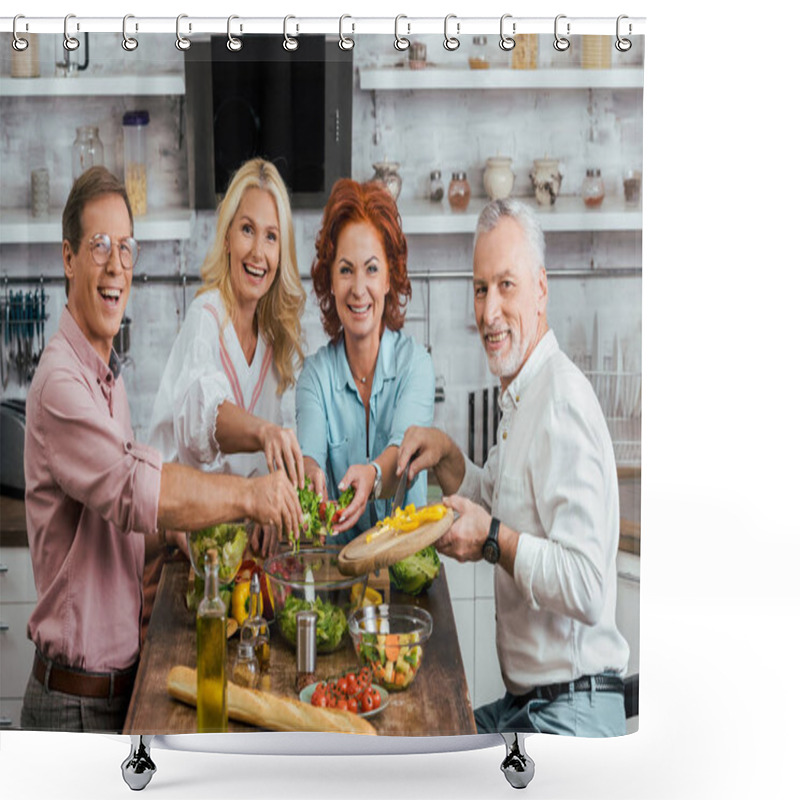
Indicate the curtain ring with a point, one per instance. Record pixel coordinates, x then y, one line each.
346 42
289 42
70 42
19 44
451 42
233 44
181 42
400 42
561 43
129 43
507 42
623 45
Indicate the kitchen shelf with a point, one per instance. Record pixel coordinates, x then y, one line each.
433 77
568 214
18 226
80 85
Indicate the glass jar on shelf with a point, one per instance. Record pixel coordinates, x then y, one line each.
458 193
593 189
134 127
87 150
436 187
479 57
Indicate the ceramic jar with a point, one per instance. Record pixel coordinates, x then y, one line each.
546 180
498 178
386 173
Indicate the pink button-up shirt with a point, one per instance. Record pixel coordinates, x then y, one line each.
90 489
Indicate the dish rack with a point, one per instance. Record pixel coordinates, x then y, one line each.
620 396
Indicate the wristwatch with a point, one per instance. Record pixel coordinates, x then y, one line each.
378 485
491 548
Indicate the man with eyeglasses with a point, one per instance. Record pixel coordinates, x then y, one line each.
92 491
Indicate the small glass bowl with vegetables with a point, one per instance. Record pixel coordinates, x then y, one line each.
310 580
390 639
230 540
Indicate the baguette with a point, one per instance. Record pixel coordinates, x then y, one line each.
268 710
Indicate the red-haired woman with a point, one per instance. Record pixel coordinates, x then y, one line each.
357 395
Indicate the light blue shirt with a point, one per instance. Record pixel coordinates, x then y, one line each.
331 422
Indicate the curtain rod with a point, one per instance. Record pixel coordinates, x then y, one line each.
348 26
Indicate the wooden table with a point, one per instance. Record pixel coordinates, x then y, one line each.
436 704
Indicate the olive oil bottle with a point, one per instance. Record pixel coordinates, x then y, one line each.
212 703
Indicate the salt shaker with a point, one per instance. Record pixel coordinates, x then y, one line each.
306 649
245 668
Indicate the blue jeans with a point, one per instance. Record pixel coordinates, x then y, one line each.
589 714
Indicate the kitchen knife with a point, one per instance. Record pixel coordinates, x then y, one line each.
397 502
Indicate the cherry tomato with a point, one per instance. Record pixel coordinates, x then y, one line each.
352 705
376 698
341 685
367 702
352 684
342 704
322 702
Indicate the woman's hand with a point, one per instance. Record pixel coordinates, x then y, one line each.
282 451
362 478
265 540
317 477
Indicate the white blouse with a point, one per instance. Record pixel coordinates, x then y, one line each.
205 368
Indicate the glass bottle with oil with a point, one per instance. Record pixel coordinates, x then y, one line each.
255 631
212 651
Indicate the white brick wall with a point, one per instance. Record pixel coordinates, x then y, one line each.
422 130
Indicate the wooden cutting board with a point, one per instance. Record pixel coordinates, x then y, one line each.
389 546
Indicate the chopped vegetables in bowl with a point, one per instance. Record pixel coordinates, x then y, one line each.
390 639
310 580
230 539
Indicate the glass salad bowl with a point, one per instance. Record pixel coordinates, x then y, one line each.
230 539
310 580
391 639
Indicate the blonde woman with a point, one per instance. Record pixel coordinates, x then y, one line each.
226 399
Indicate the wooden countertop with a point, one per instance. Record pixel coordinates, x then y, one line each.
13 527
436 704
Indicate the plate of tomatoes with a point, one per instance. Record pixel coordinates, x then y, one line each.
353 691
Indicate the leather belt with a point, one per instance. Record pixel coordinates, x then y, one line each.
83 684
602 683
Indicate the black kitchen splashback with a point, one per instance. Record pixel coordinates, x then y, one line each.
291 108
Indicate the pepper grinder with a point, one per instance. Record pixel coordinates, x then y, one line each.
306 649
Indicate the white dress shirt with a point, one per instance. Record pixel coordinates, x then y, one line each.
206 367
552 478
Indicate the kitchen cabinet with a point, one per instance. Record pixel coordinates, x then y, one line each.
17 601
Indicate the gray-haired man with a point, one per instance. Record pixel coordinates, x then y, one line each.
545 506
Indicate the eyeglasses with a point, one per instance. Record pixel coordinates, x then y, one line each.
100 246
